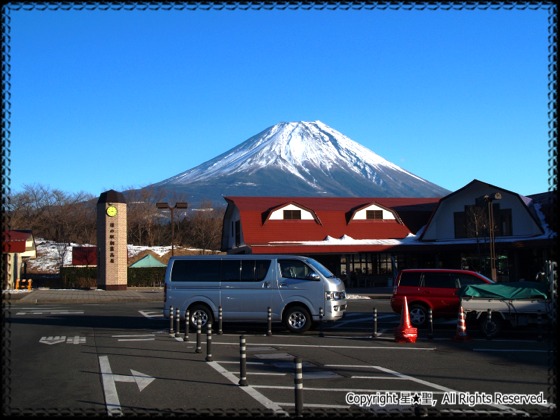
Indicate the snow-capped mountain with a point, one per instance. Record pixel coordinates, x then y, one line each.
298 159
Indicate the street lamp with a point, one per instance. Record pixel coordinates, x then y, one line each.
166 206
489 198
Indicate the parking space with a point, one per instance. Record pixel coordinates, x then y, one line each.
122 359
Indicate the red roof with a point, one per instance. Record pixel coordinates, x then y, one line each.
333 217
13 241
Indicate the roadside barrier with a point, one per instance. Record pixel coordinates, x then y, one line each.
405 333
198 334
209 343
374 334
24 284
178 321
171 321
242 361
461 332
220 320
187 316
298 386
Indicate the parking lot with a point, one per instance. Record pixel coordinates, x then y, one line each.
120 358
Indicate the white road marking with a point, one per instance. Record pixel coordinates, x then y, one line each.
134 337
249 390
109 379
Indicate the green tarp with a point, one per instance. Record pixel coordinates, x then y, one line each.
147 261
513 290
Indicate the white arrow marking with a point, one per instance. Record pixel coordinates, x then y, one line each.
53 340
109 384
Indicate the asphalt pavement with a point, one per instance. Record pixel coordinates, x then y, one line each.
134 294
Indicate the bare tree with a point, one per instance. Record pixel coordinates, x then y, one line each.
205 228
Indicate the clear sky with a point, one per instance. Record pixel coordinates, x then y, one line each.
120 99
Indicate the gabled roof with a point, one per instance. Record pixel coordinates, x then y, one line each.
334 231
525 202
147 261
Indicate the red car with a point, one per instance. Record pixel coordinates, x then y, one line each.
434 288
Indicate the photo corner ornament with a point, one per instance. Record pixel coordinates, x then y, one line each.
111 211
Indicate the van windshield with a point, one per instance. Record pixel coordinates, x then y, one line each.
320 268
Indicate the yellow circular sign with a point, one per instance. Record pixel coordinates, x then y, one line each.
111 211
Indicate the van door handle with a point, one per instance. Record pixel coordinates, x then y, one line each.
266 285
283 284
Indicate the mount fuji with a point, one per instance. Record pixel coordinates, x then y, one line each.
296 159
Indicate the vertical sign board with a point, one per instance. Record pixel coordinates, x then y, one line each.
112 259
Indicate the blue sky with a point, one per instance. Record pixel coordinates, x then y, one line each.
120 99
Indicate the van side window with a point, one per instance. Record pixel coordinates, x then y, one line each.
254 270
231 270
294 269
410 279
244 270
196 270
441 280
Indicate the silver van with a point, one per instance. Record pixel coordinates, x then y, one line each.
296 288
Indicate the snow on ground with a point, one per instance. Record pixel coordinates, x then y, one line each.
50 254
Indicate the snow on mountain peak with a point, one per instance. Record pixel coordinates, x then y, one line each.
301 157
294 147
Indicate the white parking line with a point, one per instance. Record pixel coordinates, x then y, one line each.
342 347
249 390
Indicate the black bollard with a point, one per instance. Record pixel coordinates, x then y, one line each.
298 387
187 322
488 323
539 326
171 320
321 314
374 335
209 343
178 320
198 334
269 318
220 320
242 361
430 324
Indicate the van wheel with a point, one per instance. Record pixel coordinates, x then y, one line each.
201 312
297 319
490 327
418 315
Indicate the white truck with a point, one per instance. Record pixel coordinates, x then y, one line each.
523 303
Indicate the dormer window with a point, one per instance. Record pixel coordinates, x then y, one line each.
292 214
374 214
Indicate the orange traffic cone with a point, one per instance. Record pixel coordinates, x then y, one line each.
461 333
405 332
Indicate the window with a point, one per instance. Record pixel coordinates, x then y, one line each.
374 214
473 222
410 278
237 232
294 269
440 280
465 279
215 270
292 214
196 270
